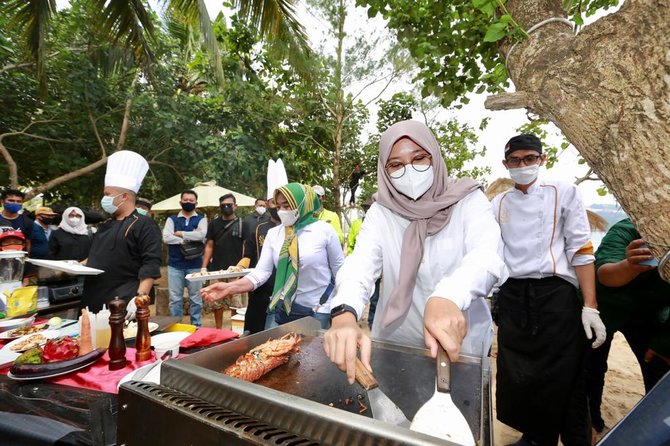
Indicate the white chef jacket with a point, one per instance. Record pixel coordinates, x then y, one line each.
321 257
546 232
462 263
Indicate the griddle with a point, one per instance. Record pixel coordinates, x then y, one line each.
306 398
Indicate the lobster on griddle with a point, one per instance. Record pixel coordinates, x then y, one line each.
264 358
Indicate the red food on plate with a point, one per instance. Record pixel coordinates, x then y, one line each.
264 358
60 349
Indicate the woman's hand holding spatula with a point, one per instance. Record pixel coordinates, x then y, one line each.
444 323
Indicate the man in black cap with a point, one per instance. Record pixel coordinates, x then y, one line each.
542 325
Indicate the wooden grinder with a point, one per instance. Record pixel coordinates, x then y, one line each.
143 339
117 344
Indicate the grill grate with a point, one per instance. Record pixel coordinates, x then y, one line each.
244 426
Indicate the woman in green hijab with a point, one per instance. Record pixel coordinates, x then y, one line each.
306 253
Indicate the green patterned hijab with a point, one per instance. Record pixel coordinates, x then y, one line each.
303 199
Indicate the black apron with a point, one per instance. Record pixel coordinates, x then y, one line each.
541 349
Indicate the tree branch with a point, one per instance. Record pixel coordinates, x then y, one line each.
97 134
507 101
161 163
587 177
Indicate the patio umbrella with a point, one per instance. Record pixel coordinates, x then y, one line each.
208 197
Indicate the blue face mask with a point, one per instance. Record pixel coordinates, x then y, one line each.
12 208
142 211
107 204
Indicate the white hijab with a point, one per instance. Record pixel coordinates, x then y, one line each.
80 229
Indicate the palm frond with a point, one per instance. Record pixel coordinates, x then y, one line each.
130 22
276 21
194 12
32 19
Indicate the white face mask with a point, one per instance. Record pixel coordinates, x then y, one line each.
413 183
260 210
524 175
288 218
73 221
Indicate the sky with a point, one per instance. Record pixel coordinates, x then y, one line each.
502 124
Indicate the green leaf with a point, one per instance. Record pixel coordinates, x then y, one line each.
495 32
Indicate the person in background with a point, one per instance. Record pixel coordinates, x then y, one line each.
542 324
39 246
434 242
256 316
306 253
355 179
126 247
12 203
353 234
259 214
144 207
72 239
187 228
11 239
634 300
224 248
326 215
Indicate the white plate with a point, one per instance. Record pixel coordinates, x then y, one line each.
49 334
171 336
196 277
8 324
154 376
241 311
9 334
130 332
67 267
56 373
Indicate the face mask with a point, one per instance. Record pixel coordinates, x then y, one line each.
73 221
107 204
288 218
273 213
260 210
227 209
524 175
13 208
142 211
188 207
46 220
413 183
12 247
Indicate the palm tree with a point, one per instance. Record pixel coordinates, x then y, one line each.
132 24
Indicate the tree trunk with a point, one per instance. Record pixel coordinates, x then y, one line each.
608 90
339 106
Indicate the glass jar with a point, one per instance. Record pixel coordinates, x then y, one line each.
11 266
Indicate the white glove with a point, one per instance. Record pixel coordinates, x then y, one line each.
591 321
131 309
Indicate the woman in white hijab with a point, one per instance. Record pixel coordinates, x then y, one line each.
72 239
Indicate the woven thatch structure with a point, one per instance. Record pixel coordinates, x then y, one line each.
596 222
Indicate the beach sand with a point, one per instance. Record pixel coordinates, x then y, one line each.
623 389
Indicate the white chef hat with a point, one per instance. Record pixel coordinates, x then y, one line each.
126 169
276 176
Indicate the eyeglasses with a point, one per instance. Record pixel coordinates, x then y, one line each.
420 163
528 160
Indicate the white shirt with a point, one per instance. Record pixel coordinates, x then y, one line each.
546 231
197 235
460 263
321 257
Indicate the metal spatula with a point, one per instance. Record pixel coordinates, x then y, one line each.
439 416
382 407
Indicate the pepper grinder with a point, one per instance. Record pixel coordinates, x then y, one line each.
117 345
143 339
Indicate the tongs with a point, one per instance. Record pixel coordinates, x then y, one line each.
140 374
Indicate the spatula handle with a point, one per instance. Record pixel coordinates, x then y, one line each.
364 377
443 370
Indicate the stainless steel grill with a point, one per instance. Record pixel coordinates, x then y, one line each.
196 404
